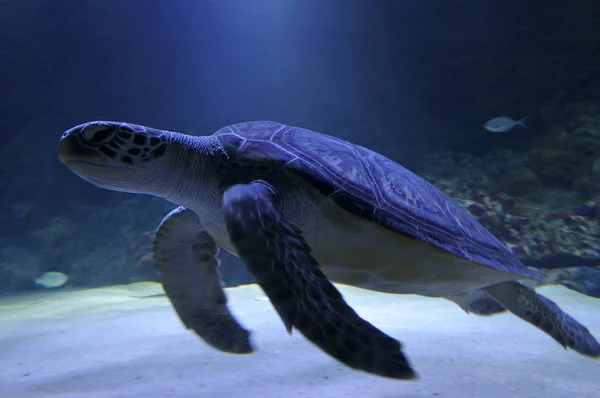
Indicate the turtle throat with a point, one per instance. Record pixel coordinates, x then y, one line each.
189 177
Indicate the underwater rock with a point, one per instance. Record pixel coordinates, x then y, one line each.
565 154
520 181
540 237
558 168
590 209
97 245
545 158
596 167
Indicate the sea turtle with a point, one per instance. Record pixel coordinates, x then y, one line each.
302 208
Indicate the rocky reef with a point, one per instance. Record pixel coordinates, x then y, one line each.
558 168
542 199
539 237
95 245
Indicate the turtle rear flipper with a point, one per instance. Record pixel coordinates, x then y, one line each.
546 315
279 258
585 280
187 267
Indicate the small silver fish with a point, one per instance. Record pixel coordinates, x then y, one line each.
503 124
51 280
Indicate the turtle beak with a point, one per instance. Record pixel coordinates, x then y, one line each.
71 150
86 162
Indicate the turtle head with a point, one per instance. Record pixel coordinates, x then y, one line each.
117 156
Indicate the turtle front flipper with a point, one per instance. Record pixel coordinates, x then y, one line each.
545 314
278 257
187 267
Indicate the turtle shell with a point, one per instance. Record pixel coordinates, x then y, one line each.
372 187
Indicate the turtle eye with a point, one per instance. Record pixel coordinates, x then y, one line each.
98 134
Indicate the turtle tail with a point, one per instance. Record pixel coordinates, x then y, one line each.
585 280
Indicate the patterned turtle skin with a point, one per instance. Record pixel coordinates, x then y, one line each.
300 209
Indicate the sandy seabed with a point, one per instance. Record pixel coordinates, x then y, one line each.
108 342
